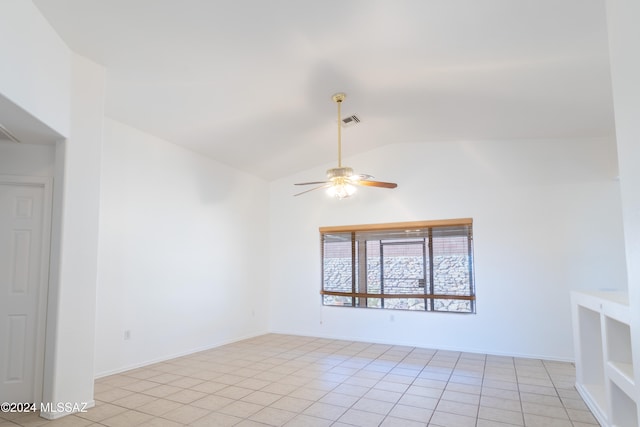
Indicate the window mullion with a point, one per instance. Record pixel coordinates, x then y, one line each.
353 268
362 271
381 273
431 275
472 290
424 270
323 237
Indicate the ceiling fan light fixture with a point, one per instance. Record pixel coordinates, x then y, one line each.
341 181
341 172
341 189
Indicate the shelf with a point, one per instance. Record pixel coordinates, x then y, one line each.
616 311
622 375
624 411
618 338
625 369
596 300
618 355
605 375
595 397
598 394
591 370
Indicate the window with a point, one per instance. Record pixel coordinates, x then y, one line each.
423 266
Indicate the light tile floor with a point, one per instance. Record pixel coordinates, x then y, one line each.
283 380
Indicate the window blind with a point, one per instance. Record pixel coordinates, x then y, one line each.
424 265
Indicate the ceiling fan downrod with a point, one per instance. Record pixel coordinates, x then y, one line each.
341 182
338 98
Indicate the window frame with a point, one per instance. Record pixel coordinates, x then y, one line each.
358 278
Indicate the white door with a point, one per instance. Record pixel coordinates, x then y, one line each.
22 226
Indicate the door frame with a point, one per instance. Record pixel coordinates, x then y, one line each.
46 183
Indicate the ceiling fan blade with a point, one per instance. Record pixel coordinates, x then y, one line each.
342 178
360 177
312 182
325 185
380 184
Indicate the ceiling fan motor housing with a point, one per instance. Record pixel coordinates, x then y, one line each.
344 172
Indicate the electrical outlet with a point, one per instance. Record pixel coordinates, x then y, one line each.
127 335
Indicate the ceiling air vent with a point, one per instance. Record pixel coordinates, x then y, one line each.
6 135
350 121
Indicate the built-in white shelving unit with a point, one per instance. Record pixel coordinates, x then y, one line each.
605 375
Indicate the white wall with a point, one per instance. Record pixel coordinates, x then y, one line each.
546 220
27 159
183 258
35 64
532 202
41 75
72 286
624 45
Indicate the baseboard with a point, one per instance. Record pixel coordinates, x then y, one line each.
335 337
174 356
444 348
593 406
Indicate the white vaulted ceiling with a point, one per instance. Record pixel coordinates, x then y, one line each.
249 82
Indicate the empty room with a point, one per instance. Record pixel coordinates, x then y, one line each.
337 213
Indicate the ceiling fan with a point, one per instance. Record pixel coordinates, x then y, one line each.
341 181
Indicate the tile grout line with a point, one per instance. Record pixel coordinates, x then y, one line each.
332 370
